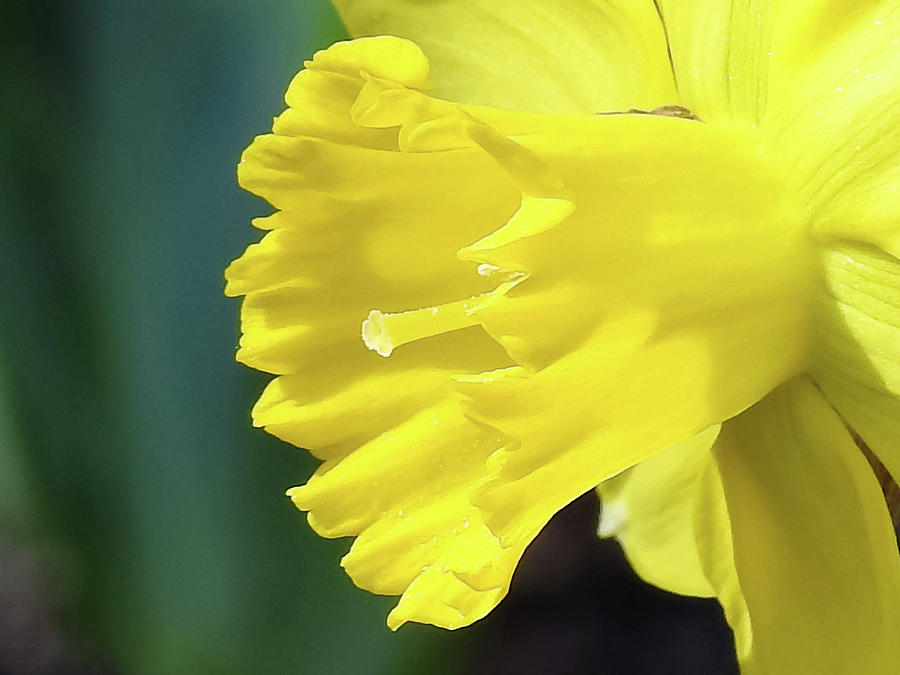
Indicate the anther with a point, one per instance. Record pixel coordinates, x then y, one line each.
382 333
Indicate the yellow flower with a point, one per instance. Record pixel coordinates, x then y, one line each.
646 246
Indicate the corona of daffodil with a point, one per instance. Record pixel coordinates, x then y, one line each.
646 246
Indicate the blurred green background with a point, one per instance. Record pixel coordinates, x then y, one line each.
143 527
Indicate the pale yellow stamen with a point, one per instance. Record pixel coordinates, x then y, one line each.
382 333
495 273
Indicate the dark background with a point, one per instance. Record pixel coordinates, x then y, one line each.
143 527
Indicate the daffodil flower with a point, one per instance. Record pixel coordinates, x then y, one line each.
646 246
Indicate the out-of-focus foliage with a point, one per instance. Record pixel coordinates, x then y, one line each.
149 515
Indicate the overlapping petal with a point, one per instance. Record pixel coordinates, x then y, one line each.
856 349
787 525
715 550
804 71
650 509
814 548
845 92
721 53
758 61
568 56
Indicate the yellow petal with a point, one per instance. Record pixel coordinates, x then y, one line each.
856 350
650 509
812 67
814 547
715 551
568 56
643 303
721 53
846 93
806 30
669 514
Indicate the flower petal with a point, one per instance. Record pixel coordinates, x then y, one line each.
856 353
669 514
814 548
567 56
650 508
847 92
715 551
787 62
618 332
721 53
